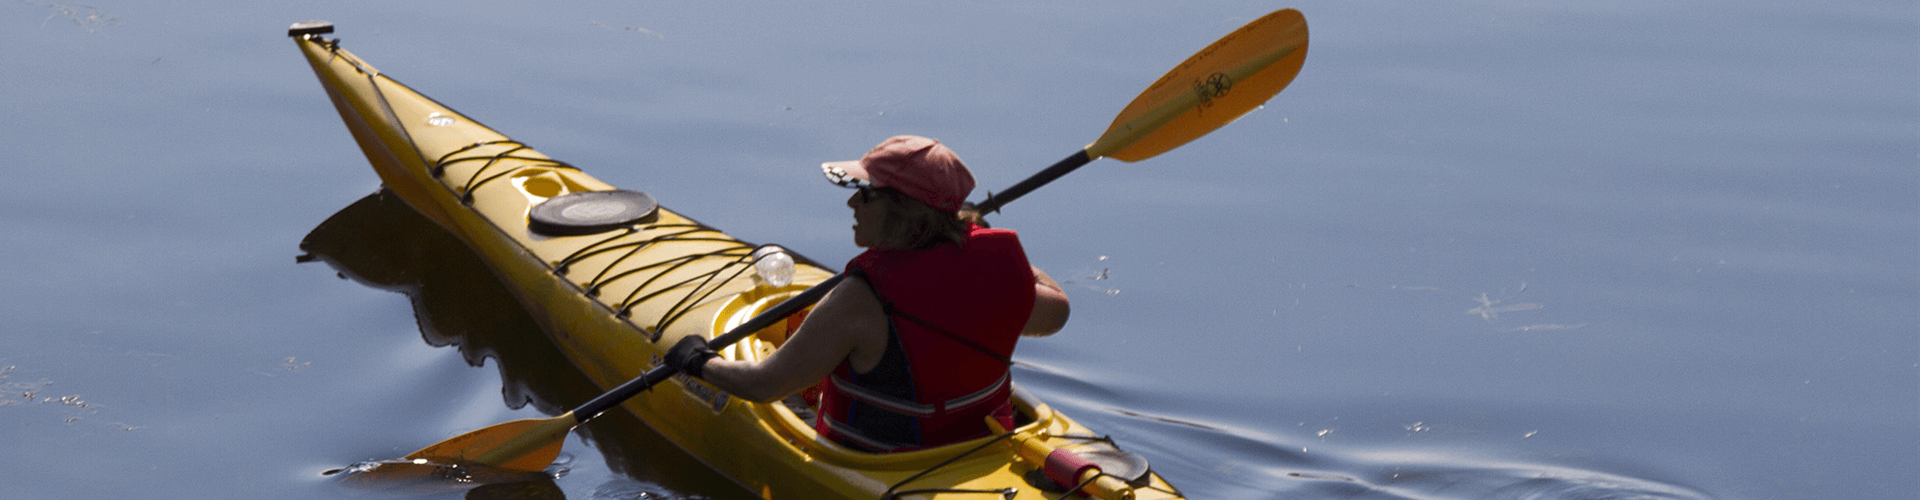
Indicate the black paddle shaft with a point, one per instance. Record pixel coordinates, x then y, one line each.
996 200
661 373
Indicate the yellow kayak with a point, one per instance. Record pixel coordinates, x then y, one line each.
617 281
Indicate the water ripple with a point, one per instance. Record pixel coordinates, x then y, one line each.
1217 459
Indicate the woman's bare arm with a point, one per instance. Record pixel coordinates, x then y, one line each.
846 325
1050 308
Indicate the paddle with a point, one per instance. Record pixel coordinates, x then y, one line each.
1217 85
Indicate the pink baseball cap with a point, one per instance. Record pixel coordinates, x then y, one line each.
916 166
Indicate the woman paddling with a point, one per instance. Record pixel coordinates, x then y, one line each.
912 350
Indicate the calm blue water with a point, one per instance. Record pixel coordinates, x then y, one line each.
1567 250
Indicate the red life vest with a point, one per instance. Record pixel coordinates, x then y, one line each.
955 312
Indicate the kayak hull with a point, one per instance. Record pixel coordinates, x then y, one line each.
613 301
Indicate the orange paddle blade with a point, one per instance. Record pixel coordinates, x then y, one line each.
1216 86
523 445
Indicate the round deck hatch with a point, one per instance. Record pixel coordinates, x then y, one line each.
591 212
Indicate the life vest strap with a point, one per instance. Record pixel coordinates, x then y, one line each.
916 409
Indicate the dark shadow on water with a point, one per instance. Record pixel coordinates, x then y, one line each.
382 243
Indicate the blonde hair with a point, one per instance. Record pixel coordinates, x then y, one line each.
913 225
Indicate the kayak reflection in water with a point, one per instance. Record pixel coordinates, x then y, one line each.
912 350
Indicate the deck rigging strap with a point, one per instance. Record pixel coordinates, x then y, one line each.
474 181
688 301
594 248
602 279
447 159
891 494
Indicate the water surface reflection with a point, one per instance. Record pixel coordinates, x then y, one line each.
380 242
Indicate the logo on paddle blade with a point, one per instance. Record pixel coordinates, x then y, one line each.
1215 85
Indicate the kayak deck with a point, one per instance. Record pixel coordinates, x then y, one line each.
613 301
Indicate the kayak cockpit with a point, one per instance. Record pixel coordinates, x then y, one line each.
795 414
